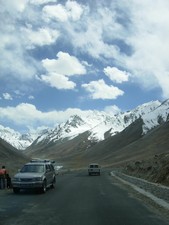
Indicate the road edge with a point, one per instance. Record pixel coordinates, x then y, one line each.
159 201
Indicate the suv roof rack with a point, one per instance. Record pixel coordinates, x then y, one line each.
42 160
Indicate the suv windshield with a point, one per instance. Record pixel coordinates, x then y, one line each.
94 166
32 169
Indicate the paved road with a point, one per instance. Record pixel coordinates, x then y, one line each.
77 200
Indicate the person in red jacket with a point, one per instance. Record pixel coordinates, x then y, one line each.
3 173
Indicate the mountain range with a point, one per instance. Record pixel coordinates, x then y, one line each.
96 136
99 124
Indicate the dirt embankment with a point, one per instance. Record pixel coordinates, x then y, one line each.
155 169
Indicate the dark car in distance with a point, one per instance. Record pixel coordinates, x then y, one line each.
94 168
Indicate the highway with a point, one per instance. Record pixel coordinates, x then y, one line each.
78 199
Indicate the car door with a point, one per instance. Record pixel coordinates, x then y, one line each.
49 174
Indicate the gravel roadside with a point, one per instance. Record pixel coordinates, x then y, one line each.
154 195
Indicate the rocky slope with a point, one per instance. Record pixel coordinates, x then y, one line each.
155 168
11 157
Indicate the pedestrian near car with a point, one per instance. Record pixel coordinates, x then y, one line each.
3 173
8 181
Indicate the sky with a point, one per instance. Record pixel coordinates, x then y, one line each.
65 57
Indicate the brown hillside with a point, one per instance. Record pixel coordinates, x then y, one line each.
126 146
11 157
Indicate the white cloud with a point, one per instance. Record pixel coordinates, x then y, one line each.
72 10
136 39
97 28
13 5
7 96
99 31
59 70
65 64
148 37
28 116
58 81
90 40
23 114
116 75
113 109
16 63
57 12
43 36
100 90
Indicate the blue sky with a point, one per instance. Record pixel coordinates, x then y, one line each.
60 58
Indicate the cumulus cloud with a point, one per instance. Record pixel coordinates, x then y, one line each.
90 39
74 10
7 96
23 114
59 70
58 81
57 12
135 39
116 75
100 90
71 10
16 63
12 5
29 117
64 64
43 36
147 34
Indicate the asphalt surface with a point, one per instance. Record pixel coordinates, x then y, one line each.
78 199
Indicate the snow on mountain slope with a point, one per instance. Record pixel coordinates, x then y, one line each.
155 117
140 111
16 139
98 124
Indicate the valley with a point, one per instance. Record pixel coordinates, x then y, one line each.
125 140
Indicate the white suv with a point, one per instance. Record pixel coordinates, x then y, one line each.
94 168
35 175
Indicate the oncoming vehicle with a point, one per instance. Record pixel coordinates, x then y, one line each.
35 175
94 168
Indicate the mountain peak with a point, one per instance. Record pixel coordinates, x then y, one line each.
74 121
99 125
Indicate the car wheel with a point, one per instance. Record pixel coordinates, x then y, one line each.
43 189
53 183
16 190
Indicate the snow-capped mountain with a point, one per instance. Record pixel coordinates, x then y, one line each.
99 125
155 117
95 122
16 139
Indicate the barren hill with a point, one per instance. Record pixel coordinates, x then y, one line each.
126 146
11 157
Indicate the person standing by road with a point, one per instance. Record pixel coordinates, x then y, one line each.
3 173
